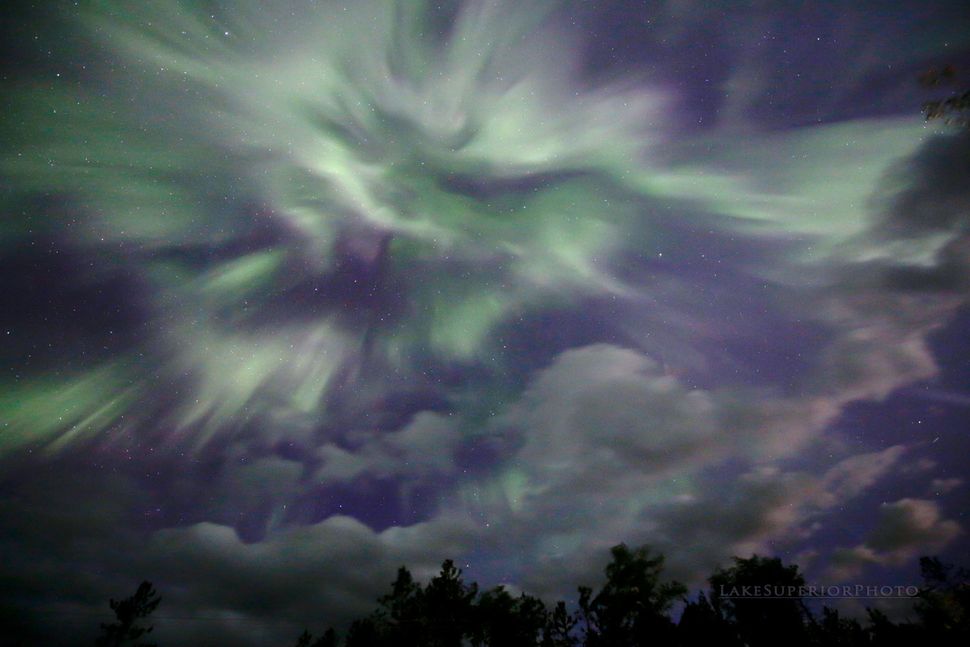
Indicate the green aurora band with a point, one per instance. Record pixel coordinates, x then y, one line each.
469 165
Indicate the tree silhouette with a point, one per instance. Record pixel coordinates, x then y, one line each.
559 627
403 612
753 603
943 604
128 612
304 639
328 639
701 624
832 629
442 614
506 620
632 607
363 633
447 603
737 594
883 632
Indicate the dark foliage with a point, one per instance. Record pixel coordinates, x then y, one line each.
757 620
632 609
944 603
126 630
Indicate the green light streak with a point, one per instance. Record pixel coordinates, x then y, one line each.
503 187
53 412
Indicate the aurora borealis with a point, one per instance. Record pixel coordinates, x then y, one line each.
294 293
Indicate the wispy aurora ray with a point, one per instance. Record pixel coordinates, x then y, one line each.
331 195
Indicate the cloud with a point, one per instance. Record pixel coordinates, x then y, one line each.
297 573
903 530
945 486
909 525
424 447
926 193
81 538
740 518
765 508
602 409
847 563
854 475
252 495
608 447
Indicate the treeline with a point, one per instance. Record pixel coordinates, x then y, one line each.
754 603
633 608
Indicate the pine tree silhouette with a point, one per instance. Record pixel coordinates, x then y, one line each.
128 612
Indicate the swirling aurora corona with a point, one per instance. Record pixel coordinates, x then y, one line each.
432 248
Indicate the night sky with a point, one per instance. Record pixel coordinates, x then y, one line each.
294 293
